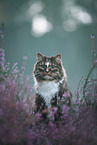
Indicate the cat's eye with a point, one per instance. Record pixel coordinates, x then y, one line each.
42 66
52 66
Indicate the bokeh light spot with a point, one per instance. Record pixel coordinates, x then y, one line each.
40 25
74 16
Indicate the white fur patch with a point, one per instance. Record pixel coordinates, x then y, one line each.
47 90
47 64
47 77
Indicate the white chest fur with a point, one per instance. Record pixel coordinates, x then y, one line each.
47 90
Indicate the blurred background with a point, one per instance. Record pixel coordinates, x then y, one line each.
50 27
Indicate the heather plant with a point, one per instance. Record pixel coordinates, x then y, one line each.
89 89
14 107
19 125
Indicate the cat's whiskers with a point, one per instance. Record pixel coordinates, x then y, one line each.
30 75
55 76
30 79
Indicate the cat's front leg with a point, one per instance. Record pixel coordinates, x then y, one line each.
40 104
52 113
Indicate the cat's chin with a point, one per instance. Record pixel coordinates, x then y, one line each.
47 77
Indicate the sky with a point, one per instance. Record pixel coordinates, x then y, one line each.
50 27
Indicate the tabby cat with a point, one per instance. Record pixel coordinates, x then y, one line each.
50 82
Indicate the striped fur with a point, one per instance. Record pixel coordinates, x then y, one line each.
50 79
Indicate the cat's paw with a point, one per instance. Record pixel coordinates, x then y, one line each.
51 113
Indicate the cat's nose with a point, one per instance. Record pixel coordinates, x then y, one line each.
47 70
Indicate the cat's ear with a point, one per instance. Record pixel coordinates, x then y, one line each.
58 57
39 56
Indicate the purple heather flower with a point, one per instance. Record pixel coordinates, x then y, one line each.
3 87
67 102
2 64
2 58
92 36
78 92
2 52
95 62
15 64
22 67
54 110
65 108
16 70
64 95
95 95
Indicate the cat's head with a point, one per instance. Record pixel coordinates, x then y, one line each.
48 68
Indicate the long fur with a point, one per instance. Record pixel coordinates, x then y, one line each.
50 79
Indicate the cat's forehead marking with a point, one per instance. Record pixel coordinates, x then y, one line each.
47 64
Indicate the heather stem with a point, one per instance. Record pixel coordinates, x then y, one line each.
2 35
91 70
93 50
78 89
93 66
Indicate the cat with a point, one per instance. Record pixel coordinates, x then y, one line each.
50 82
